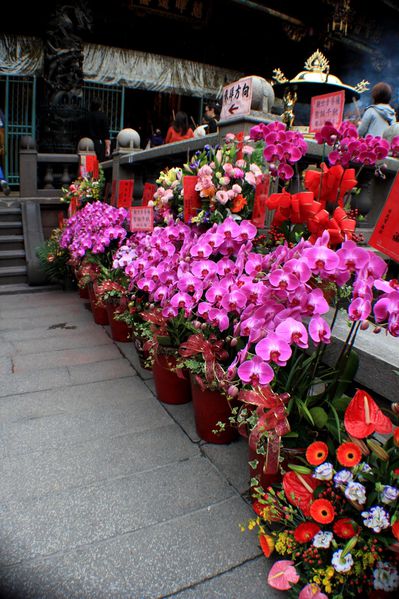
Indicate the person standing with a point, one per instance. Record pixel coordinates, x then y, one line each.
3 183
179 130
379 115
98 130
211 117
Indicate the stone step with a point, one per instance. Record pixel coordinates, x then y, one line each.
19 288
11 242
12 257
10 228
10 214
13 274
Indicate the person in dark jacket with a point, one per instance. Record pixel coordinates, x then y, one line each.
97 129
379 115
211 116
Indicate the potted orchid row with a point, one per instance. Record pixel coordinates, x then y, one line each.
241 320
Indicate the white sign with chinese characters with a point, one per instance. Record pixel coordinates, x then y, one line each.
237 98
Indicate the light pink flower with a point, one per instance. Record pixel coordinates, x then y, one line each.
255 371
283 575
311 591
293 331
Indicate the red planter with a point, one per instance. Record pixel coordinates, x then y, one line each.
170 388
99 312
265 480
119 329
211 407
84 292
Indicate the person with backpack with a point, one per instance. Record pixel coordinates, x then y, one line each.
379 115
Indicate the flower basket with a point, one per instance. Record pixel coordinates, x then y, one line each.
119 329
170 387
99 310
211 407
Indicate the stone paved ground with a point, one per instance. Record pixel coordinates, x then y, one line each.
106 493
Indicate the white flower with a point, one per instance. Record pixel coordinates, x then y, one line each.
322 539
376 518
343 477
386 577
389 494
356 492
363 467
324 471
344 564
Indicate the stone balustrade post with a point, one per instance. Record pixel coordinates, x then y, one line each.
28 168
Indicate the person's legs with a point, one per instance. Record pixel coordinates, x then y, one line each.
5 188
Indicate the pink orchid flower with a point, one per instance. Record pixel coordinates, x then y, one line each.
293 331
311 591
359 309
256 372
319 330
274 349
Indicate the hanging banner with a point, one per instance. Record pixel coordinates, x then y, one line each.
141 219
191 198
261 195
148 193
125 193
385 237
73 206
328 107
237 98
89 166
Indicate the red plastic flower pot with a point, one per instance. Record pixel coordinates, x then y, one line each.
99 311
119 329
170 388
211 407
84 292
265 479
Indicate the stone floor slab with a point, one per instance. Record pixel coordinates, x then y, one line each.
63 331
41 472
232 461
67 520
101 371
66 357
154 562
23 324
130 353
184 416
96 337
247 581
64 429
31 381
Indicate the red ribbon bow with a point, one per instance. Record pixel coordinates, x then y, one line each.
274 421
211 351
329 185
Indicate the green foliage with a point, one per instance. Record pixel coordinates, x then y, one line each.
54 260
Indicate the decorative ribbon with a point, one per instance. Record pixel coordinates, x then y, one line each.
274 421
211 351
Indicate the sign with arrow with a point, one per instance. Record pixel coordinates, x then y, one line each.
237 98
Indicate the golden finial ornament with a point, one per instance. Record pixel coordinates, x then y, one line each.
279 76
362 86
317 63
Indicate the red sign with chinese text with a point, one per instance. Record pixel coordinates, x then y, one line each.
141 218
385 237
125 193
261 195
148 193
89 165
328 107
191 198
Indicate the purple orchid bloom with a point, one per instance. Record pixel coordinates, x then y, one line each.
201 250
256 372
254 264
299 268
190 284
182 300
321 258
203 268
219 319
274 349
293 331
352 257
247 231
218 290
386 306
233 301
316 303
283 279
225 267
359 309
285 171
375 268
319 330
229 229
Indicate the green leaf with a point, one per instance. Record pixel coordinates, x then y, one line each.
319 416
337 421
341 403
304 410
254 464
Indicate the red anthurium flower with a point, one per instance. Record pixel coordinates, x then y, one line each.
395 530
267 544
363 417
305 532
322 511
299 489
345 528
